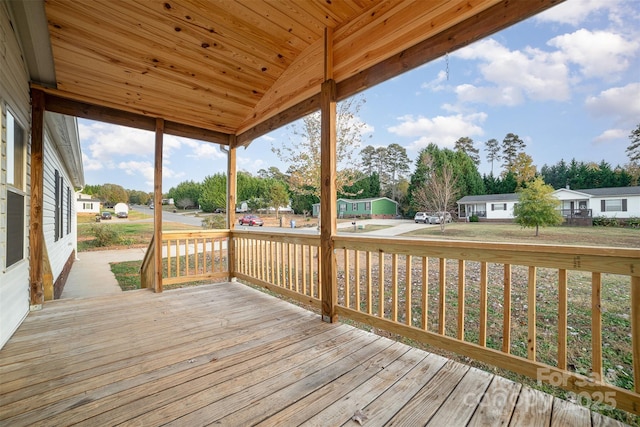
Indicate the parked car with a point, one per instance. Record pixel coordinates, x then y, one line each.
122 215
421 217
438 217
105 215
251 220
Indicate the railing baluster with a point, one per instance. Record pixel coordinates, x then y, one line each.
596 325
347 274
369 284
168 258
531 311
356 278
303 267
196 264
425 293
506 316
296 262
408 312
442 296
562 319
186 257
380 284
178 273
290 266
483 304
635 330
394 287
319 283
461 280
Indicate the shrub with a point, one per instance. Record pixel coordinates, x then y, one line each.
214 222
603 221
474 218
105 235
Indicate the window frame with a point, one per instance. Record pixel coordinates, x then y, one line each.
16 207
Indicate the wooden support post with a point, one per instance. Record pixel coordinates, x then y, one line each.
328 185
157 211
36 235
231 205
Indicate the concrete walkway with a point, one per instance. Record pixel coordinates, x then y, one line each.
91 273
396 226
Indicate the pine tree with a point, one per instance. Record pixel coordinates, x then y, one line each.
492 147
512 145
465 145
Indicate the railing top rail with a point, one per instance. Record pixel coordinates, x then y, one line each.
187 234
297 238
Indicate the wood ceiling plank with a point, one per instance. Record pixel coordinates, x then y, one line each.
268 12
81 27
200 32
117 89
160 80
397 30
291 9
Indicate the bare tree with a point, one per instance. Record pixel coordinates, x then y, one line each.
438 192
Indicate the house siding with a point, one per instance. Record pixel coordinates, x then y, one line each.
59 250
14 95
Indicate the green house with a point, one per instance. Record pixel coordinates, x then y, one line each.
376 207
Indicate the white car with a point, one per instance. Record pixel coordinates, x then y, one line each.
421 217
438 217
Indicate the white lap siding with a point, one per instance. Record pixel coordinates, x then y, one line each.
14 97
59 249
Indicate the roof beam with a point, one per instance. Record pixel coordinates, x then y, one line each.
485 23
57 104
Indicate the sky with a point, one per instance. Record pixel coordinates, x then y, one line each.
566 81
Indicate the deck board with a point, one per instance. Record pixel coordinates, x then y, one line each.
227 354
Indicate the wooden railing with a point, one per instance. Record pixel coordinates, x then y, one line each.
148 268
189 256
465 297
286 263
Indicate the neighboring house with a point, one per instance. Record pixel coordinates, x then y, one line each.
376 207
86 204
612 202
59 164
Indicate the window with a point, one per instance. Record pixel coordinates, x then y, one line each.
87 206
613 205
354 206
15 199
343 207
367 206
15 153
58 209
498 206
69 210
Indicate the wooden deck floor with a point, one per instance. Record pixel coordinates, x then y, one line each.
226 354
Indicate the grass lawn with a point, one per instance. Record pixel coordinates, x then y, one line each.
488 232
128 233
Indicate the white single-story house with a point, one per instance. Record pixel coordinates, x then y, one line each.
87 204
39 174
611 202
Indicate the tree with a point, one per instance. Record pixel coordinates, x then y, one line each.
185 194
633 150
438 192
396 166
536 206
278 196
214 193
512 145
465 145
523 169
111 194
302 153
492 147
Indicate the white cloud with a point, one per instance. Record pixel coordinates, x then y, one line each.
514 76
623 103
145 169
600 54
441 130
203 150
250 165
104 142
611 135
574 12
436 85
